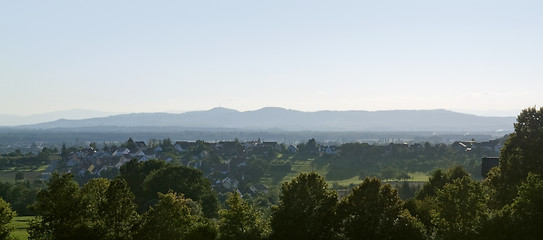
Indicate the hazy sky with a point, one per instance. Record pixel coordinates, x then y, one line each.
153 56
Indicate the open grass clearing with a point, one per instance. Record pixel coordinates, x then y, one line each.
20 225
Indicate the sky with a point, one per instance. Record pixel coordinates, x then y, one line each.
476 56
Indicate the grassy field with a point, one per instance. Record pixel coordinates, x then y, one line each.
30 173
299 166
9 176
20 225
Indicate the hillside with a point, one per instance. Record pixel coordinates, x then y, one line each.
292 120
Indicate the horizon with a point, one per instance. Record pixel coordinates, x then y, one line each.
124 56
7 120
480 113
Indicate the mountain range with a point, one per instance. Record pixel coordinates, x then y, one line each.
272 118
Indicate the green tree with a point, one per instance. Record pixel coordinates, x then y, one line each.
461 210
92 196
527 209
439 179
130 144
64 152
134 173
6 216
19 176
181 179
375 211
102 209
522 153
425 199
306 209
59 210
241 221
173 218
118 211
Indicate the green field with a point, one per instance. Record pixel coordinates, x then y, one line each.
299 166
20 225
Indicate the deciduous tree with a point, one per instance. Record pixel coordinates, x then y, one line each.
241 221
6 216
375 211
306 209
461 210
521 154
173 218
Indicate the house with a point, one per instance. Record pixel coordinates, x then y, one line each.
463 146
259 188
229 183
72 162
121 151
141 145
181 146
144 159
158 149
123 159
137 153
292 149
330 150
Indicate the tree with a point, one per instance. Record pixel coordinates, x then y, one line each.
19 176
6 216
527 208
118 211
425 199
130 144
134 173
439 179
92 196
64 152
306 209
102 209
461 210
521 154
58 209
173 218
181 179
375 211
241 221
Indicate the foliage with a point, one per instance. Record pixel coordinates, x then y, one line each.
461 210
20 195
306 209
134 173
188 181
521 154
58 208
102 209
527 208
425 201
173 218
439 179
6 216
118 211
241 221
375 211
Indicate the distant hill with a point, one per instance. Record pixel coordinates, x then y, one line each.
74 114
291 120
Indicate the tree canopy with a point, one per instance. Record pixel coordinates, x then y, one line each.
521 154
306 209
375 211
